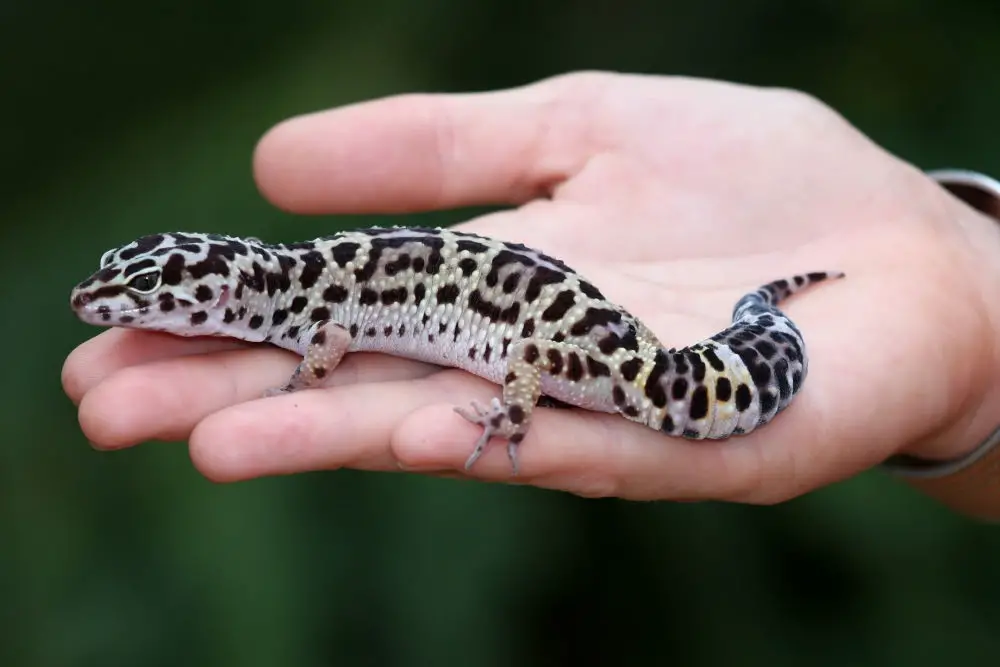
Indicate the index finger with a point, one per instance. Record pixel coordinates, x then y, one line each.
420 152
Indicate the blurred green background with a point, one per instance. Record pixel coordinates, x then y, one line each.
124 117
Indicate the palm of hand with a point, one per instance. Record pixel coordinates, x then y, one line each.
671 202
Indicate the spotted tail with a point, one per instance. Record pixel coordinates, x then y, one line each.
741 377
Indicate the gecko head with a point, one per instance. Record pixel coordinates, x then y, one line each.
179 283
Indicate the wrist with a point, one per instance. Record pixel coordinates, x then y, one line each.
972 440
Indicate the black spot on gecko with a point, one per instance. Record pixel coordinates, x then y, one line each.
531 353
228 317
487 351
279 317
473 247
511 313
312 268
255 322
401 331
319 372
541 277
781 375
697 366
486 309
766 348
419 291
713 359
467 265
344 252
618 395
434 261
142 245
503 351
654 388
448 293
138 266
333 294
565 300
759 370
511 282
510 377
209 265
594 317
472 353
320 314
397 295
298 304
796 380
203 293
126 319
743 397
680 363
574 367
387 330
555 361
629 369
597 368
558 337
699 403
668 424
590 291
767 401
502 259
528 328
723 389
418 264
173 270
353 331
515 414
293 332
367 297
319 338
371 332
608 344
401 263
679 389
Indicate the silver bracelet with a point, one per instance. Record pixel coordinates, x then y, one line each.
983 194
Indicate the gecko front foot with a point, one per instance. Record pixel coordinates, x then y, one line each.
497 420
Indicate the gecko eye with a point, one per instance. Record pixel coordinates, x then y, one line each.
145 282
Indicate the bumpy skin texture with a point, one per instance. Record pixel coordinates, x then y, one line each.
503 311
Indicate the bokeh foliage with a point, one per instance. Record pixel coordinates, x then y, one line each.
123 117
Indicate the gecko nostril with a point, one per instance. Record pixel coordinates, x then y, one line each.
81 299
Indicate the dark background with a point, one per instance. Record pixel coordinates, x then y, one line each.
123 117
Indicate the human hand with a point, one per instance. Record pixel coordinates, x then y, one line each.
673 196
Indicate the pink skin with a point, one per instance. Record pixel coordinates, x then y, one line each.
673 195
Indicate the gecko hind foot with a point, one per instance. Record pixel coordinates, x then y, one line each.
496 421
